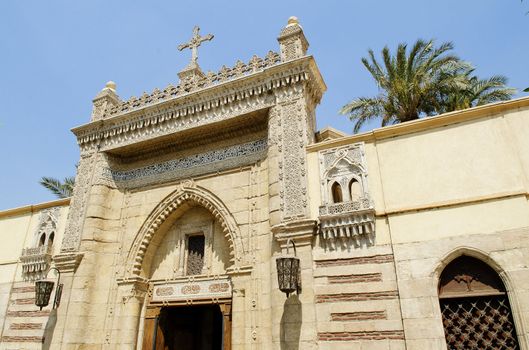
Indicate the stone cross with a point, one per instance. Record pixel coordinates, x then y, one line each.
194 43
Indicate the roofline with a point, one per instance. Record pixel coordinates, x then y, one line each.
34 207
198 93
424 124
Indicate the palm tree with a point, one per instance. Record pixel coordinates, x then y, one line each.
475 93
409 83
62 189
425 81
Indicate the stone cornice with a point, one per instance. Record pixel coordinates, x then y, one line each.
34 207
201 107
425 124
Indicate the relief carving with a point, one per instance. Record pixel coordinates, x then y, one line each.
72 234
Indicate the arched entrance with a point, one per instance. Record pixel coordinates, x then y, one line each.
185 250
475 307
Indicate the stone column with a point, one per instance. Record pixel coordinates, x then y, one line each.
131 296
291 129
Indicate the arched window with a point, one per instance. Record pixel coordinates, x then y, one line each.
336 190
42 240
51 238
355 189
475 307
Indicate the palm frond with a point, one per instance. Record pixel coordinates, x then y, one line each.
58 188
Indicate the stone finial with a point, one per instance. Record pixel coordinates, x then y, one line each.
105 99
292 41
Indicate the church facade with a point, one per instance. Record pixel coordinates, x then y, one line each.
412 236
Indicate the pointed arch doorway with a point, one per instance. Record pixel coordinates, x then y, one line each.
475 307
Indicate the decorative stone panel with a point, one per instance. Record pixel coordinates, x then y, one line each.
347 211
36 259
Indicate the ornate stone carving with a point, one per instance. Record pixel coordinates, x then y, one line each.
347 210
197 195
104 101
292 41
36 260
291 142
209 79
202 163
72 234
214 105
186 290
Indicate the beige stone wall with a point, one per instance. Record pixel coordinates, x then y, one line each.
18 230
441 188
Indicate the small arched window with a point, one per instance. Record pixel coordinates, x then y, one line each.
337 195
42 240
51 238
475 307
355 189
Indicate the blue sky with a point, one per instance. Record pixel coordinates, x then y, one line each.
56 56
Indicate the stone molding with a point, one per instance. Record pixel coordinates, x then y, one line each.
67 262
301 232
133 288
201 107
187 192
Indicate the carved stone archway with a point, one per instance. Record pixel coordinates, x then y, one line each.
186 193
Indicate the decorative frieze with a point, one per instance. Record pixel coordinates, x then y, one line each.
213 105
192 290
190 166
256 64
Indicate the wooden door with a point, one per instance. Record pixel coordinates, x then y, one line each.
153 338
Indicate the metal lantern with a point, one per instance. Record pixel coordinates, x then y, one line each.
288 272
43 290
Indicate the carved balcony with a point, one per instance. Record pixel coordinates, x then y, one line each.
36 261
347 219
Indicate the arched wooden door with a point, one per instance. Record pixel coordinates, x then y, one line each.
475 307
